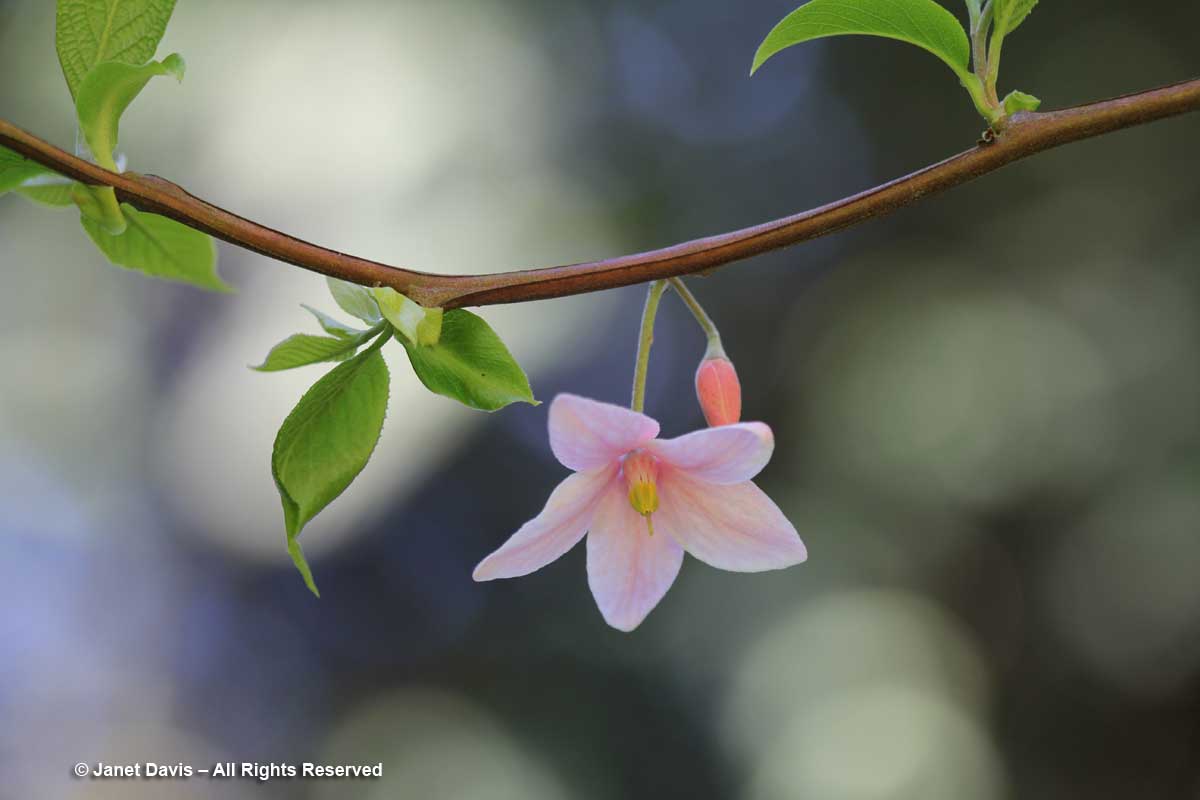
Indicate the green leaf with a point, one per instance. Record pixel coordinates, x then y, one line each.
355 300
419 325
326 441
297 554
160 247
921 22
331 325
88 32
1009 14
1019 101
106 92
469 364
16 169
303 349
48 190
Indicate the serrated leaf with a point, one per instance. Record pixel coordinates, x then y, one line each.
469 364
160 247
331 325
923 23
106 92
89 32
326 441
48 190
303 349
355 300
1009 14
15 169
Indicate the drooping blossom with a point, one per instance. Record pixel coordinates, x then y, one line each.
719 391
643 501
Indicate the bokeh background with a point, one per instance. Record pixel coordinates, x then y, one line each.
987 410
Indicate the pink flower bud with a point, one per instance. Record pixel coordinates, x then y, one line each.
719 391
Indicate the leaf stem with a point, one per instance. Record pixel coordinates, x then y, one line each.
645 340
979 29
979 52
979 96
993 62
715 349
382 333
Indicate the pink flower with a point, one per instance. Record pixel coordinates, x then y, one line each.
644 501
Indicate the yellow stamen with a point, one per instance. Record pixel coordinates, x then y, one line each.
641 470
643 497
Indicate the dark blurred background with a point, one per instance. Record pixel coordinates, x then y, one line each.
987 409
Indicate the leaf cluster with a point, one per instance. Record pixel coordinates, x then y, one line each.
328 438
925 24
106 49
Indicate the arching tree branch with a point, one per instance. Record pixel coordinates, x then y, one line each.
1025 135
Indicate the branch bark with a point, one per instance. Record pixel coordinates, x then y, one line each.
1024 135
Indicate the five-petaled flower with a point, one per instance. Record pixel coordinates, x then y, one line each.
643 501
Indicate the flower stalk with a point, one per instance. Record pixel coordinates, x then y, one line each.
645 341
715 348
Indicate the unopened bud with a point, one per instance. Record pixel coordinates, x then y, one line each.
719 391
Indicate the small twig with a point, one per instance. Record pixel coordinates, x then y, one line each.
1024 135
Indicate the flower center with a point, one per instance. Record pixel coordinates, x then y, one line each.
641 470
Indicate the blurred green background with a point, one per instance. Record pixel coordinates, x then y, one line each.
987 409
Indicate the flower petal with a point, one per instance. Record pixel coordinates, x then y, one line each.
585 434
628 569
728 454
735 527
562 523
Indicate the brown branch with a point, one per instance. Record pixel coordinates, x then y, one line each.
1023 136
